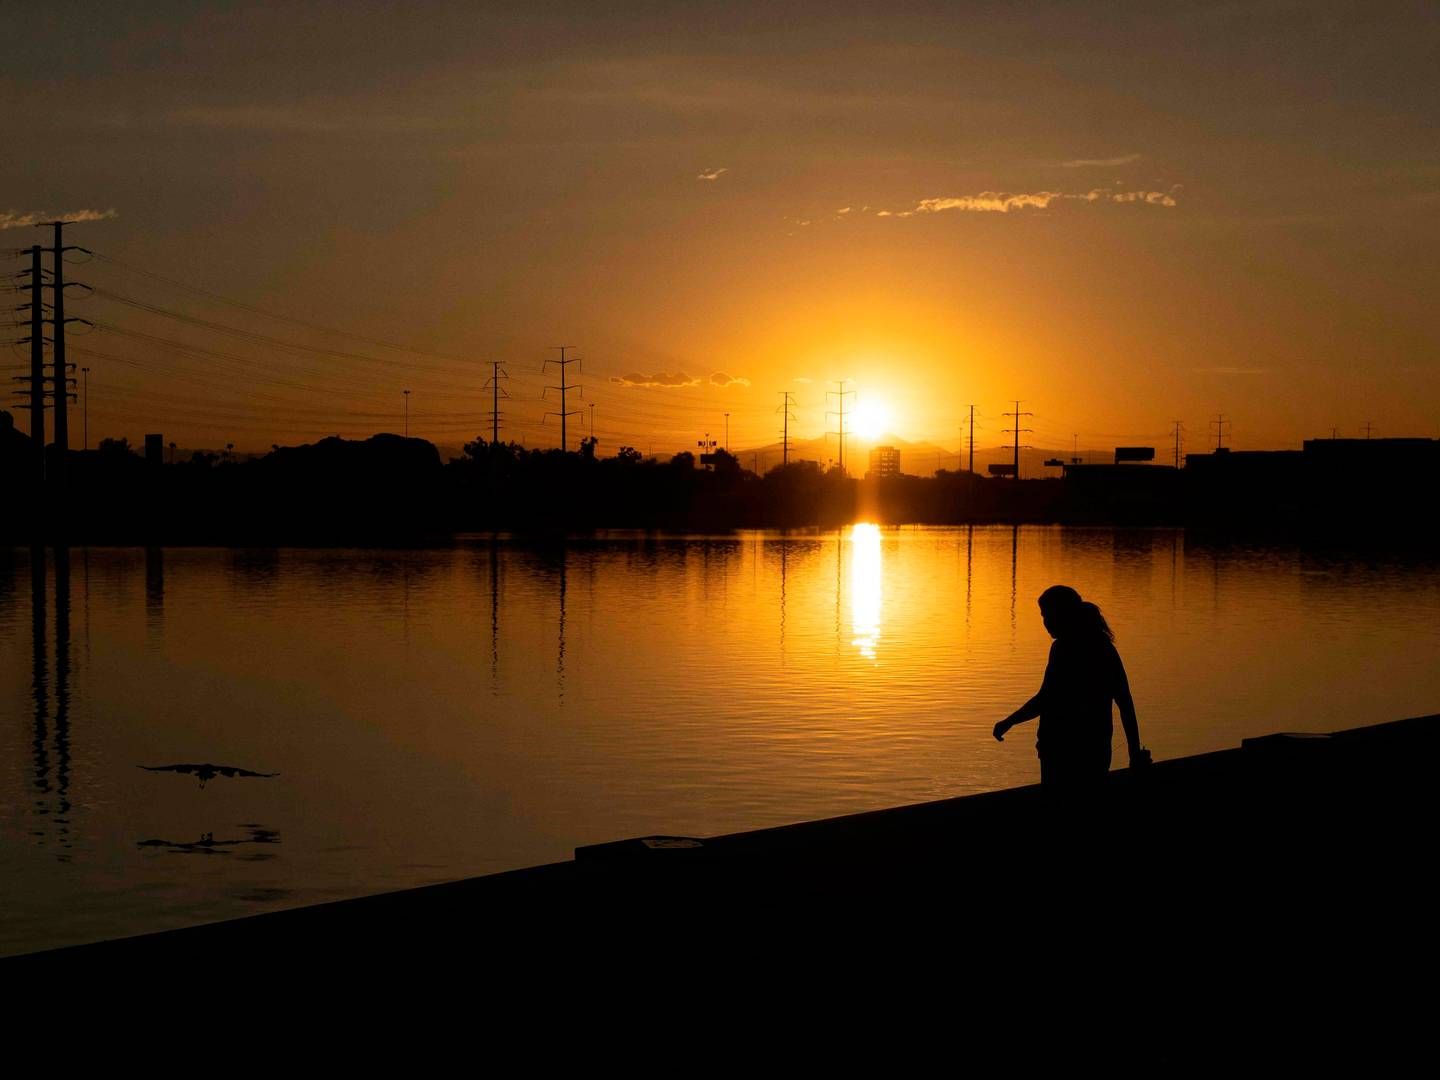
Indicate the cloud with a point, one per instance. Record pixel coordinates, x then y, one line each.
987 202
15 219
711 174
844 210
1154 198
1099 163
721 379
1003 202
660 378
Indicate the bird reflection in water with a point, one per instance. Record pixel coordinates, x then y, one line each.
865 588
207 772
208 845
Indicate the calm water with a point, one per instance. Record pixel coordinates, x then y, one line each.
435 714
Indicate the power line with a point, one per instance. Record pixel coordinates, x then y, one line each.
272 314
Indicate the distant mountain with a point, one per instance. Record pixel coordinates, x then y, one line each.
916 458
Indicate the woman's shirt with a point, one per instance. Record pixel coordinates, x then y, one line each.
1083 677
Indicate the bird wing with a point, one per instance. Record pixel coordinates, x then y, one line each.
171 768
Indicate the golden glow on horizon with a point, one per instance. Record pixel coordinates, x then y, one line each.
865 588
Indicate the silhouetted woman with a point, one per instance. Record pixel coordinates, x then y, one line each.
1083 677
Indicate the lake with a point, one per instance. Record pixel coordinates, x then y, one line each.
439 713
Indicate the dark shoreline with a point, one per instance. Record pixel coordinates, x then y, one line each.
1271 904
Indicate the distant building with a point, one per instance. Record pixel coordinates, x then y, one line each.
884 461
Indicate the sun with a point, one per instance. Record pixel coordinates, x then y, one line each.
871 419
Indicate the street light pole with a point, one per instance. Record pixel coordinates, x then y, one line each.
85 404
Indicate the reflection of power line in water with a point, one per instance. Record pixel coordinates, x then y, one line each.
52 788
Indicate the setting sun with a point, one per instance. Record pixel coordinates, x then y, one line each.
871 419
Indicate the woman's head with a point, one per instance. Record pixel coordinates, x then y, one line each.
1067 615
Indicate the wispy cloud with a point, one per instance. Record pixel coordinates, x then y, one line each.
721 379
712 174
18 219
1099 163
309 119
1003 202
660 378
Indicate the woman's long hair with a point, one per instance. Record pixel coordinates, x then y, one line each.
1072 616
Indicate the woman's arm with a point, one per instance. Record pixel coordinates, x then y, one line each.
1138 754
1029 711
1035 706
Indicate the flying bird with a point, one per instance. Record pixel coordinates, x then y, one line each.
207 771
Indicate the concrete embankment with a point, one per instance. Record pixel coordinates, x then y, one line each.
1226 893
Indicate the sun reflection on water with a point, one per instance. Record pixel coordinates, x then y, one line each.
865 588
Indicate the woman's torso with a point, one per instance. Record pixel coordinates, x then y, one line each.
1080 683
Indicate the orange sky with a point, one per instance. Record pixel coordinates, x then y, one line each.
1121 221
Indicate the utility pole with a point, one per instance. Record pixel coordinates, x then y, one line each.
565 386
497 373
407 412
1179 435
1219 424
787 412
1334 433
1368 425
85 400
972 438
840 395
1017 429
592 419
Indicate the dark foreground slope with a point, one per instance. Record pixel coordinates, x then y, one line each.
1267 905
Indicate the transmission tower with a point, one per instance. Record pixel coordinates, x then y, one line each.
60 380
565 387
1018 430
497 375
35 392
840 395
1179 438
787 413
972 438
1219 424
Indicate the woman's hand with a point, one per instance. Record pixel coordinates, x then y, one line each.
1139 757
1001 728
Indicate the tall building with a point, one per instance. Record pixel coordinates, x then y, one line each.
884 461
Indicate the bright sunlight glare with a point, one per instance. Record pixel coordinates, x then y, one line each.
871 419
